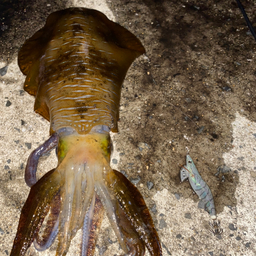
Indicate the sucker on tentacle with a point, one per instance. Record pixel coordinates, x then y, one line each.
75 66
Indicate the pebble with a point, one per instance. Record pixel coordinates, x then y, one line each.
8 103
177 196
162 224
3 70
114 161
232 227
248 244
153 209
142 146
188 215
135 181
223 169
200 129
226 88
28 145
150 185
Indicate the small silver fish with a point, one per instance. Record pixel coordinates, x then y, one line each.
190 172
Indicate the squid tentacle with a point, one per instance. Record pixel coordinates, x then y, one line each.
76 193
74 205
135 245
92 222
135 211
51 230
34 211
32 163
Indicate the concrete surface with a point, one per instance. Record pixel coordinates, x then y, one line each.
158 122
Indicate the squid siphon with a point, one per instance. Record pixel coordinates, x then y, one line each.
75 66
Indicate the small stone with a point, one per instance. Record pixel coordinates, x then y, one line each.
1 231
211 253
232 227
153 209
188 215
22 122
200 129
114 161
188 100
8 103
28 145
143 146
179 236
219 237
177 196
3 70
195 118
247 245
238 238
162 224
226 88
8 161
150 185
226 169
6 167
135 181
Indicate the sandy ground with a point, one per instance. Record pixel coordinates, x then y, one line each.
193 91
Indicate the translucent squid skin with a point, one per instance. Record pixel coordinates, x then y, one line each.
75 66
190 172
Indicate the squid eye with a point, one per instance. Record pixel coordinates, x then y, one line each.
190 161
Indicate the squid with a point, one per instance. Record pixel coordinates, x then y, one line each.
75 66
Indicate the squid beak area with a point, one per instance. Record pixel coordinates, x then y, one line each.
134 217
34 211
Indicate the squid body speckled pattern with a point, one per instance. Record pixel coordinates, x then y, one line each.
75 66
190 172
